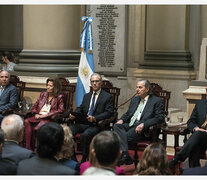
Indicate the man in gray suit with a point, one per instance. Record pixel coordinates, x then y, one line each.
13 127
144 111
50 138
8 93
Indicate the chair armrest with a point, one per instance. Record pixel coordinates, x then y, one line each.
60 118
8 111
105 123
154 131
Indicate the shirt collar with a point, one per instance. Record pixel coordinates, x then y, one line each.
97 92
146 98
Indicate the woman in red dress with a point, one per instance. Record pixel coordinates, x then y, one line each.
48 104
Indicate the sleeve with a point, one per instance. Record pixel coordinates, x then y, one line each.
158 115
34 109
13 100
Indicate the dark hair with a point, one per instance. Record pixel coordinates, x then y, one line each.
9 55
57 86
106 146
147 85
50 138
154 161
1 136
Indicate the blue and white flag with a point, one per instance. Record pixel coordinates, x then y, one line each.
86 65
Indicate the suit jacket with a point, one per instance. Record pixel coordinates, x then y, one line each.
152 114
57 104
196 171
7 168
9 98
43 166
103 108
198 115
15 153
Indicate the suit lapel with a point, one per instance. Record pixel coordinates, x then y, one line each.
147 106
89 100
98 100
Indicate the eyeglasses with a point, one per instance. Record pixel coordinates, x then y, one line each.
96 81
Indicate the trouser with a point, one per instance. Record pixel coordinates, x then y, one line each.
193 148
128 134
87 133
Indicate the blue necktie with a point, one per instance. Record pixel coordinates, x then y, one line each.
92 105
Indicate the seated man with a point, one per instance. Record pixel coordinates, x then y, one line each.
13 127
6 167
197 142
96 105
8 93
144 111
50 139
104 154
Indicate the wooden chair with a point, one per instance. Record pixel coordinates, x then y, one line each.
155 130
68 91
20 85
105 124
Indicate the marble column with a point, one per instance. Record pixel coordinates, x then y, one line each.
51 36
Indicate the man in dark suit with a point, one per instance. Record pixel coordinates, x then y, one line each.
13 127
198 140
8 93
144 111
96 105
50 139
196 170
6 167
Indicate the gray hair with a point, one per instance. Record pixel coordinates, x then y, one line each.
7 72
97 74
12 125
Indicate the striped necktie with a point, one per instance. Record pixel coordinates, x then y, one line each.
1 90
139 110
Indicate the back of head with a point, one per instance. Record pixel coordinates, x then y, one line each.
153 161
50 138
9 55
13 126
106 145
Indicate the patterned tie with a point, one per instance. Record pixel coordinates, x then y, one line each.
1 90
92 105
139 109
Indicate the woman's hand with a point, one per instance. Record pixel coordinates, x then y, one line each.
40 116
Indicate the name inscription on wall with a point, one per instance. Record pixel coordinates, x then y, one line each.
109 37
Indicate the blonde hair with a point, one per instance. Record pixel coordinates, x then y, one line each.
69 144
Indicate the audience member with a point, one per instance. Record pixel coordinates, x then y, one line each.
96 105
50 138
8 58
48 104
196 170
6 167
105 152
8 93
67 150
198 140
144 111
13 128
154 161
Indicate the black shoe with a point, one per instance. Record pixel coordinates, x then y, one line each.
125 159
173 163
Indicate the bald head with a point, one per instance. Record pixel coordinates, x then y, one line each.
13 126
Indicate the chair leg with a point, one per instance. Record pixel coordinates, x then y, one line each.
136 158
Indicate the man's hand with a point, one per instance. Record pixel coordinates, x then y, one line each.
120 121
139 128
199 129
71 117
91 119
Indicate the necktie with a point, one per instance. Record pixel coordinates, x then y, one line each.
139 109
92 105
1 90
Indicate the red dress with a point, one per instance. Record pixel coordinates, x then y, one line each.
32 124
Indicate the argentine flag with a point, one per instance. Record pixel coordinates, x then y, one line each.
86 65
